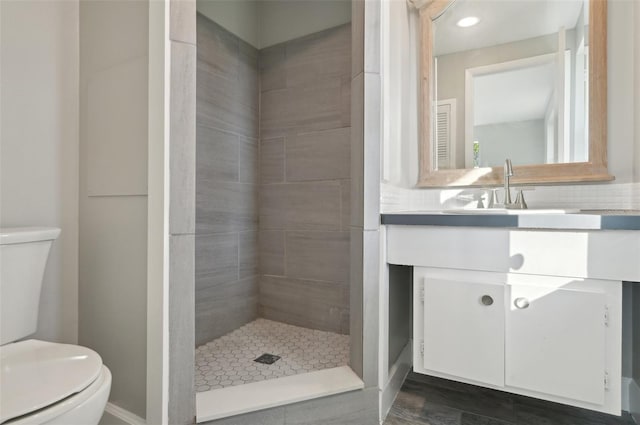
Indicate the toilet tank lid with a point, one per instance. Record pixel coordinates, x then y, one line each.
11 235
36 374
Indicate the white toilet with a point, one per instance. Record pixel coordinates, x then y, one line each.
41 382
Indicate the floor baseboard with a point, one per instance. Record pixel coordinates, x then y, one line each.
124 415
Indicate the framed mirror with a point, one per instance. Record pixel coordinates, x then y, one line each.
524 80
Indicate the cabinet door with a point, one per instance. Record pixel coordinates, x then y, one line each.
555 342
464 329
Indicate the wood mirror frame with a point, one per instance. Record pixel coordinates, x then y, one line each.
593 170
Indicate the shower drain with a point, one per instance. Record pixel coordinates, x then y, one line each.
267 358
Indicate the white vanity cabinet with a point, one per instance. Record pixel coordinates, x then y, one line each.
517 311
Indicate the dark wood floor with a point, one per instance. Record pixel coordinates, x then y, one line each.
425 400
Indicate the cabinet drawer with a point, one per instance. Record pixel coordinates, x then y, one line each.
598 254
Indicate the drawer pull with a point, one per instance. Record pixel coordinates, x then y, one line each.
521 303
486 300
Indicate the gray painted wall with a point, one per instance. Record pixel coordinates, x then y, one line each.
523 142
226 263
305 180
113 201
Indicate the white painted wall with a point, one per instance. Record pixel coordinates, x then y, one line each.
114 45
263 23
39 144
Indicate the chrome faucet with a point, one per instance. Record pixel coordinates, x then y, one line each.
508 172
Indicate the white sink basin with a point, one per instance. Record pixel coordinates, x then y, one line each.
504 211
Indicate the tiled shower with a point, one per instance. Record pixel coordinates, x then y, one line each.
272 205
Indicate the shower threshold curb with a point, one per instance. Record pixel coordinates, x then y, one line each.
231 401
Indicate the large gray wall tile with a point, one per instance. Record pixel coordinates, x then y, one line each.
318 255
248 160
312 304
273 70
323 55
272 161
225 104
248 254
223 308
312 206
217 48
304 109
181 325
271 243
226 207
182 214
216 259
217 157
323 155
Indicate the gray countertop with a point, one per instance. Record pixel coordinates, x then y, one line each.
582 220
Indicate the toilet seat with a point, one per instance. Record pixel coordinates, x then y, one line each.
37 374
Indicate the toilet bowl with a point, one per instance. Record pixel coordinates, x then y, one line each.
41 382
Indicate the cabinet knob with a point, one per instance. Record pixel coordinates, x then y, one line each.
521 303
486 300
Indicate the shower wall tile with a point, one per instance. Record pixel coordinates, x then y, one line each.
216 259
273 69
272 161
182 25
223 308
303 109
322 55
226 207
307 303
321 155
248 254
318 256
217 158
181 321
345 206
217 48
272 203
311 206
226 104
248 160
271 248
183 139
227 178
305 170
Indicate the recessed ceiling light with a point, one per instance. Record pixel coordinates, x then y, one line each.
469 21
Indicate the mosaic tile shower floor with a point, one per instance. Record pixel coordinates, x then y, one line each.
229 360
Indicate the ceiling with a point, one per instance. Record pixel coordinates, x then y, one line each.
502 21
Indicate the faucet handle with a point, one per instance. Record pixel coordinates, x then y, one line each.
493 198
520 203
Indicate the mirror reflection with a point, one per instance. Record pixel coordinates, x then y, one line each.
511 81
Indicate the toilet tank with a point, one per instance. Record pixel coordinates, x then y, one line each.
23 257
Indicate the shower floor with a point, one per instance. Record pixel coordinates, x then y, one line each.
229 360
